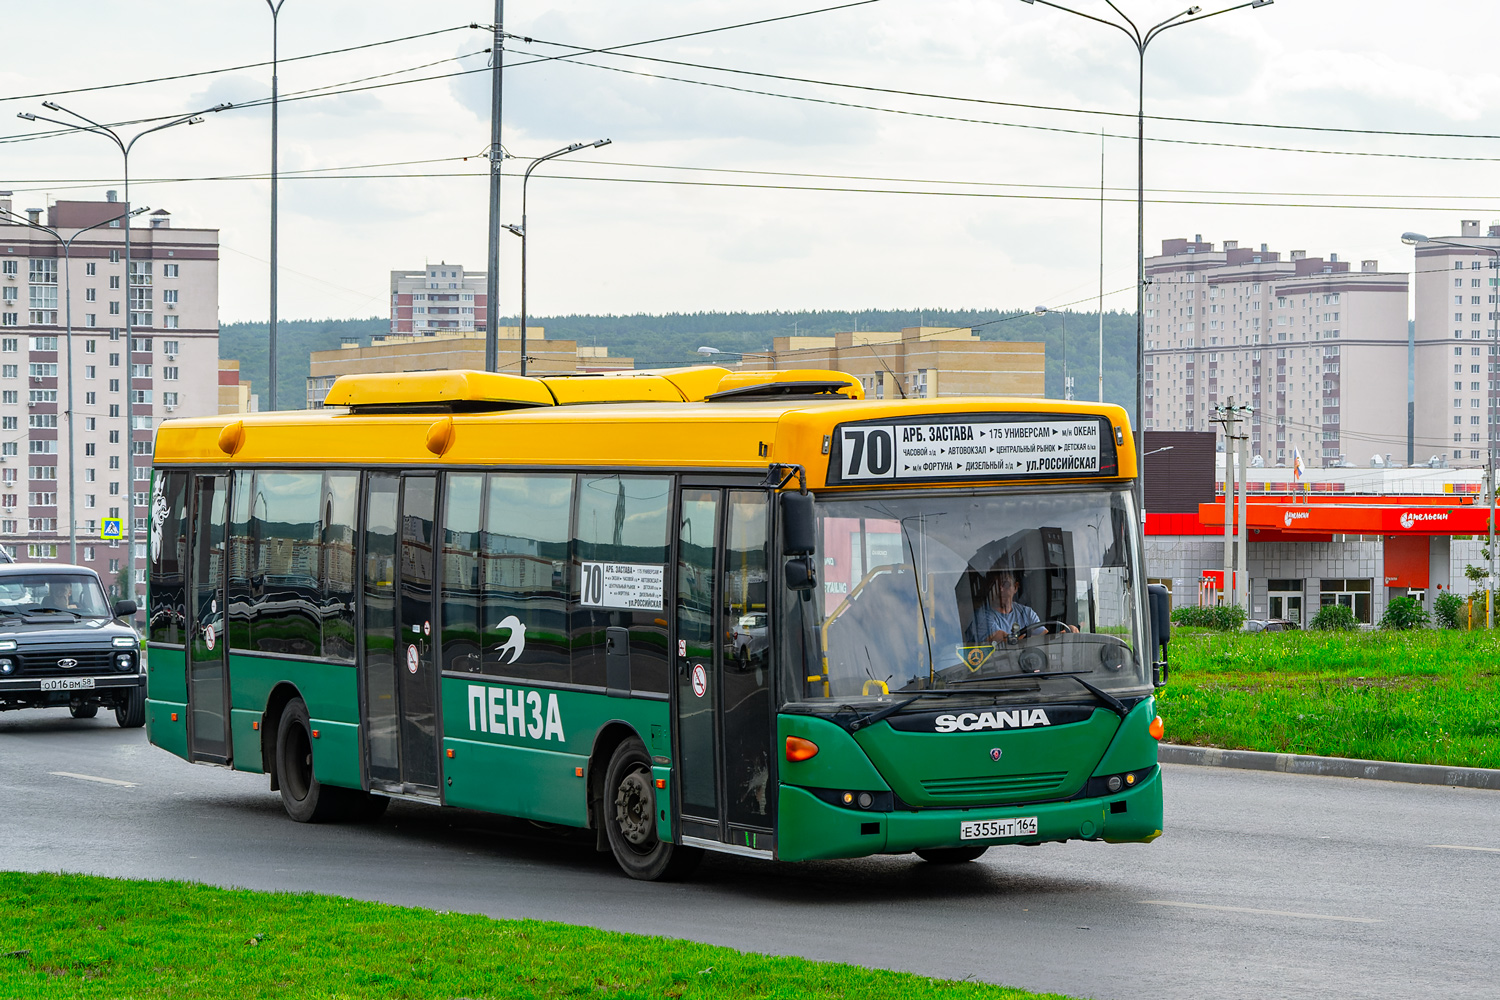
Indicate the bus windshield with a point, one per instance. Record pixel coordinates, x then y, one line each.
1008 596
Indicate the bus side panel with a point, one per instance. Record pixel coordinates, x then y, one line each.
1133 747
166 695
246 740
332 696
518 750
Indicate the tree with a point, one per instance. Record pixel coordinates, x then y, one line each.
1448 608
1334 618
1404 613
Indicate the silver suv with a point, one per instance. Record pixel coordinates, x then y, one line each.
63 646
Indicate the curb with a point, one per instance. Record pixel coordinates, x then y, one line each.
1332 767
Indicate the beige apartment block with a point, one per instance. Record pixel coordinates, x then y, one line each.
167 362
1317 349
918 362
1456 359
234 395
465 350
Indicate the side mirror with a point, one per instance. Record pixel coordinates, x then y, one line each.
799 524
800 575
125 609
1159 624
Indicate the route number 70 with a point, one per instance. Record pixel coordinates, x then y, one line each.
868 452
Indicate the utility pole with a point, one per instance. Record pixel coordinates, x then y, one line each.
497 160
1226 417
1236 530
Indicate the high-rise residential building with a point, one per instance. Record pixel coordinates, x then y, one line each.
1456 373
1318 350
440 298
919 362
52 383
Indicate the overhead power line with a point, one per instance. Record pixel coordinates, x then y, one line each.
582 51
233 69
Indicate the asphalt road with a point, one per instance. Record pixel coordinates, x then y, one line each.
1266 885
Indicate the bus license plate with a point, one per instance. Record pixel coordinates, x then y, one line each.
988 829
68 684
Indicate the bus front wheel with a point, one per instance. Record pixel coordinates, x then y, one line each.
951 855
629 818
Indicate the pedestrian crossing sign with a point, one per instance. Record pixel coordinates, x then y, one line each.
112 529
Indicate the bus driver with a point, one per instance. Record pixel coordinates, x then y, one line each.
1000 619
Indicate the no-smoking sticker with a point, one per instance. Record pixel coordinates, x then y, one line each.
700 680
411 658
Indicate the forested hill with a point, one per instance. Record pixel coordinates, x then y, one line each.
657 341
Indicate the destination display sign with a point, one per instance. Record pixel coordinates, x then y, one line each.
959 447
631 586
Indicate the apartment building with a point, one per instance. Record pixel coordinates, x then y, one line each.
63 399
1318 350
918 362
440 298
1456 313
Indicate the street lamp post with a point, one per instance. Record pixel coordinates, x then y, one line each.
521 229
1412 239
1141 39
271 326
66 242
124 146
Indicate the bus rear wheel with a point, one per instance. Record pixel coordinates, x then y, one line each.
629 817
951 855
305 798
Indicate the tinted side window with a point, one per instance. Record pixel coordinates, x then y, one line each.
286 524
463 515
340 502
621 555
168 557
523 576
241 596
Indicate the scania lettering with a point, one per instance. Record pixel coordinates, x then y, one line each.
691 611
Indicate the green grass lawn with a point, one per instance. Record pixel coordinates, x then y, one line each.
1423 697
81 936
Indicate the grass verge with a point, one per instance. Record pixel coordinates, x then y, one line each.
1421 697
81 936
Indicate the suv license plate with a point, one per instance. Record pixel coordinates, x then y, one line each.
68 684
988 829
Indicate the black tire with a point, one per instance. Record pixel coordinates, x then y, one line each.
360 807
305 798
130 711
629 818
83 711
951 855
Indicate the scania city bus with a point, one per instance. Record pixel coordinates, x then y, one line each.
689 610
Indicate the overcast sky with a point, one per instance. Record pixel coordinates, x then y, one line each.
1012 219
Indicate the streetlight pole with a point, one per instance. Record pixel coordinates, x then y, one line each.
66 242
1412 239
124 146
1141 40
275 160
521 229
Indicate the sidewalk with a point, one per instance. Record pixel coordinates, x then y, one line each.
1332 767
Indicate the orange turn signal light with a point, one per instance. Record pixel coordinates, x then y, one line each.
661 782
1157 730
450 754
799 749
577 772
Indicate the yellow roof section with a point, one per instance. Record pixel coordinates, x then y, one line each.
408 388
642 387
854 389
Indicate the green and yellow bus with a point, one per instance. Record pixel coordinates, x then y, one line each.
689 610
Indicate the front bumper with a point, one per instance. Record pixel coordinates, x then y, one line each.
26 692
810 828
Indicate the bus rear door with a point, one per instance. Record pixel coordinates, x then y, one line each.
722 695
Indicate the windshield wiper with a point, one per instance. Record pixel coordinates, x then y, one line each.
54 611
865 721
1115 705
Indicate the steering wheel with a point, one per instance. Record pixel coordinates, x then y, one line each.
1063 626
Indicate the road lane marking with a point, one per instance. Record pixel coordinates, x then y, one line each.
1462 847
90 777
1269 913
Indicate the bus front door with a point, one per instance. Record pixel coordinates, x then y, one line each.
208 639
397 661
724 715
